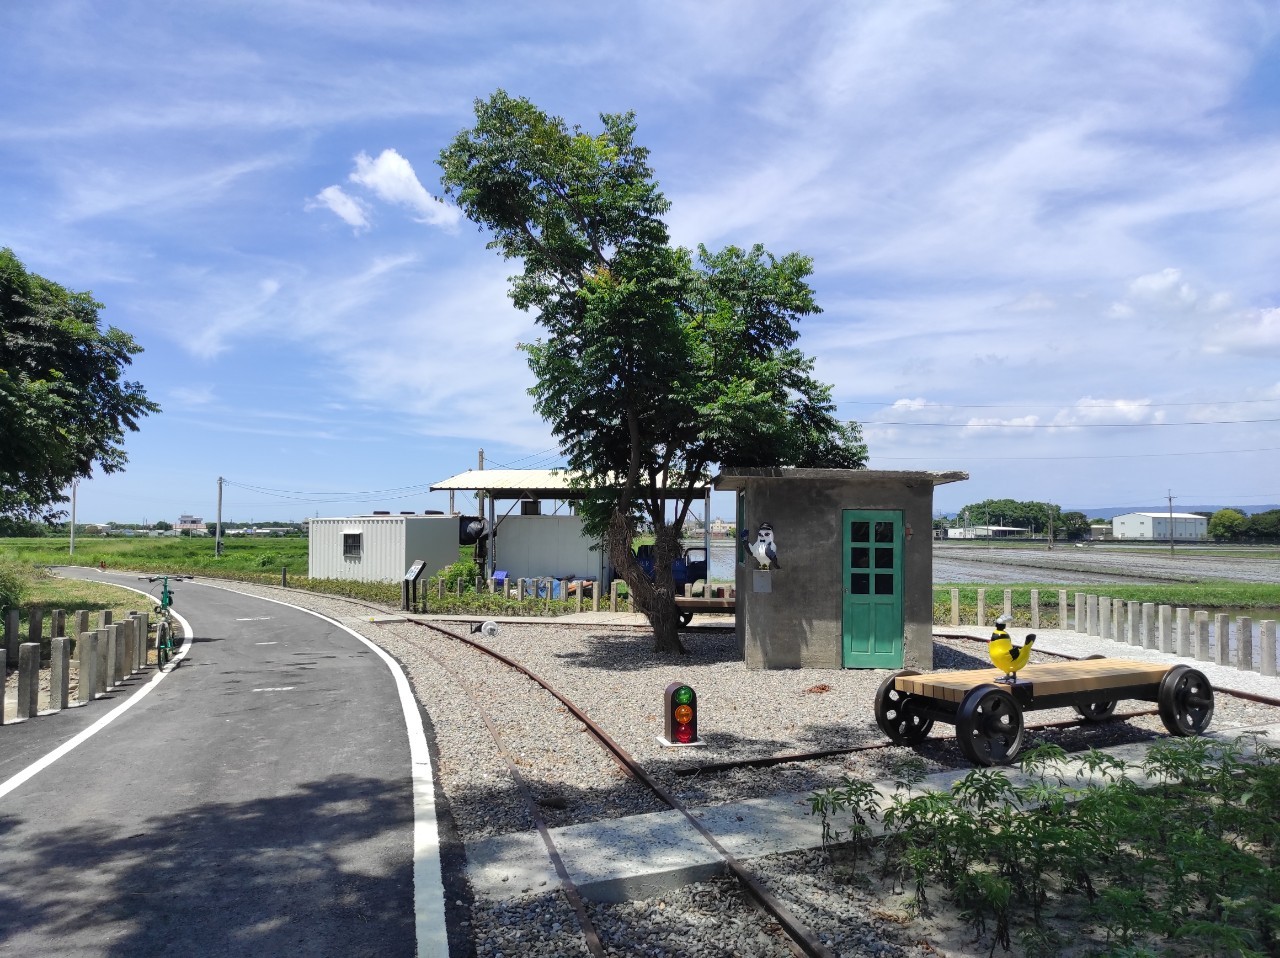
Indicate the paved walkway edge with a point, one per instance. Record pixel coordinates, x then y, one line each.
644 855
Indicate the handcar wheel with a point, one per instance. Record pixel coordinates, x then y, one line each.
685 618
1185 700
1095 711
896 713
989 726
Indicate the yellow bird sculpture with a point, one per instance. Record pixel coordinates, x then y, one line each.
1004 654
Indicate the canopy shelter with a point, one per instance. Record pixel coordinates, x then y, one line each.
535 485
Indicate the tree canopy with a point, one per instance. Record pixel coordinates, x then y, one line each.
1227 524
656 362
64 405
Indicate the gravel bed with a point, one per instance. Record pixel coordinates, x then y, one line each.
612 674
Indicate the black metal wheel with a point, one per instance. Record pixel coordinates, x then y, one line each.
1185 701
1095 711
896 713
989 726
685 618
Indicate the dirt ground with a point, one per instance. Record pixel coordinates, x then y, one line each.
1095 563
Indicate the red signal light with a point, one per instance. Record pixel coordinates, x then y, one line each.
681 714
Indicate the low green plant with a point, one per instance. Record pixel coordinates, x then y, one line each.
15 583
1190 859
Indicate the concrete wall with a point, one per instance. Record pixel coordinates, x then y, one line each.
1139 525
389 545
530 546
800 624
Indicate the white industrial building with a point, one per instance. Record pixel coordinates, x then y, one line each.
1156 525
380 547
984 532
535 531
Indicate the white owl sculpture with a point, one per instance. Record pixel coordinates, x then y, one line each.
764 548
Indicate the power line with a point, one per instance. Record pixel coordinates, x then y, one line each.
1053 425
1019 456
943 405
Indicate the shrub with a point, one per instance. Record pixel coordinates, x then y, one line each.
14 584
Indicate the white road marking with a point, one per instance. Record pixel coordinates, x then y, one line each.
41 764
264 643
256 618
428 880
278 688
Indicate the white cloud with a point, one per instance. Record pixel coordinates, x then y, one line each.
391 178
191 396
352 211
1033 302
1250 332
909 405
1088 410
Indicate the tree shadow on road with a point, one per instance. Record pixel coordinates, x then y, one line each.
325 869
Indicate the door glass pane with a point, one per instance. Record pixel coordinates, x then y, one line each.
860 557
859 531
884 532
884 583
860 583
884 558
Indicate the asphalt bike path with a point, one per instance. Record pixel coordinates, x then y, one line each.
256 801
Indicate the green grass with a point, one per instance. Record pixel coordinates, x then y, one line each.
193 555
47 593
1188 867
254 560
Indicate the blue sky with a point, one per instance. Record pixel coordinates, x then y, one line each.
1045 236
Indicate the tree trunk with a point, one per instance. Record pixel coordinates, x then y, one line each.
655 599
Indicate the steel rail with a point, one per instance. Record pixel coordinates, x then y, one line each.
800 934
567 886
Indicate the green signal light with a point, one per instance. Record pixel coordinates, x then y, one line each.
682 695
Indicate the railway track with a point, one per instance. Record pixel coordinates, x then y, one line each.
801 938
789 924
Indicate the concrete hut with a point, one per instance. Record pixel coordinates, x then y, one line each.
835 566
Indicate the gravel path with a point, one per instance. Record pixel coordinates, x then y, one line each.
612 674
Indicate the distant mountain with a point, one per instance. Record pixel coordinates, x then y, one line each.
1110 512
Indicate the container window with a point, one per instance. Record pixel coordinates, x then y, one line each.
351 543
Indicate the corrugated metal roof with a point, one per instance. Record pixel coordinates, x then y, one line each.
1161 515
513 483
510 480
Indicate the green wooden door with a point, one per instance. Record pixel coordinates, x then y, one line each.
872 589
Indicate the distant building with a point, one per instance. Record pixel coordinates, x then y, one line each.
1156 525
720 527
984 532
192 524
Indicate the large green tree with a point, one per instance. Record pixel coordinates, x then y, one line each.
64 404
1035 516
656 362
1227 524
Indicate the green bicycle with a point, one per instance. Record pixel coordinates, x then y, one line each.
166 645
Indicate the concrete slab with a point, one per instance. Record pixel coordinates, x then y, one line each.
644 855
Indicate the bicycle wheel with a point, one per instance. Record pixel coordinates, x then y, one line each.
162 644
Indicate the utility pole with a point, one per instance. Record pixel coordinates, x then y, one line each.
1050 530
1170 522
479 494
217 540
75 483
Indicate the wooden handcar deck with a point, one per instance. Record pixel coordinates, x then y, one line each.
1037 681
986 710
